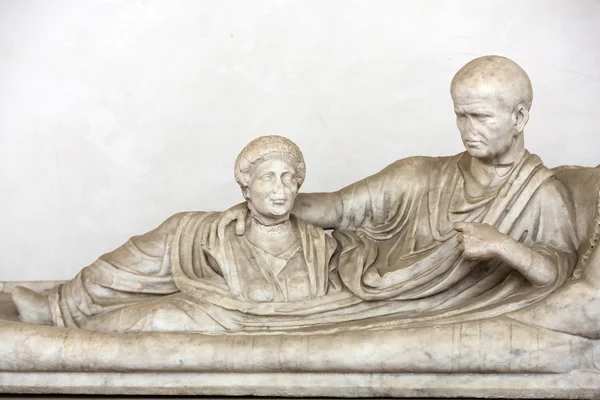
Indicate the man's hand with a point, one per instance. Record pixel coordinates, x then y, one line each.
236 213
479 242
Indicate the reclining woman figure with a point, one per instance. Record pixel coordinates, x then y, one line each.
426 241
138 286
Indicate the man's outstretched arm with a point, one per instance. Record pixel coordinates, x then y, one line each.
324 210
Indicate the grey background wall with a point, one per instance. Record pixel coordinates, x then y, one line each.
116 114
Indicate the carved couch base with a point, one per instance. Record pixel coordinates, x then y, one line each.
528 354
574 385
499 357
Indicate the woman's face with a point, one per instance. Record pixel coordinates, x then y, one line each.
273 188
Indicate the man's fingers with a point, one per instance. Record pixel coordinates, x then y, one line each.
212 235
240 225
223 222
460 226
221 231
206 239
460 238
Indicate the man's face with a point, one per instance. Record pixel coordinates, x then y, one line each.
485 121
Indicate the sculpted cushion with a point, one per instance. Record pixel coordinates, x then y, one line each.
583 184
575 307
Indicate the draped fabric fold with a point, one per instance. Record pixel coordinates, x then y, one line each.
394 262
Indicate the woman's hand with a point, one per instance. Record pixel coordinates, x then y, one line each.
236 213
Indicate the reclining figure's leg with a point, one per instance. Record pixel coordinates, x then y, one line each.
138 270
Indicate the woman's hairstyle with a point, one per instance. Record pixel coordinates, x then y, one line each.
267 148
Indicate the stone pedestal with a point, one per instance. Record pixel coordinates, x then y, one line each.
530 362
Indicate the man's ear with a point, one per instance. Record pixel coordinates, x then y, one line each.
521 118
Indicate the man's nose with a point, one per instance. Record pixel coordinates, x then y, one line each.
469 127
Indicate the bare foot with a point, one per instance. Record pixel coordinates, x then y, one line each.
32 306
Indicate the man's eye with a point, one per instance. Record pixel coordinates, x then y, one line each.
266 178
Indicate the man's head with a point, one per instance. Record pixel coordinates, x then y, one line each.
492 96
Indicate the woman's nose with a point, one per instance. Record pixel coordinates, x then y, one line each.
278 187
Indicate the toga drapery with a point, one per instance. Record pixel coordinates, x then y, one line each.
394 262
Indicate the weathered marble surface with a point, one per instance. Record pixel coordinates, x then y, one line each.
471 275
578 385
386 363
117 366
501 357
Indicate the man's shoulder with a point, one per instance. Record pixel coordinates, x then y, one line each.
552 186
421 164
549 181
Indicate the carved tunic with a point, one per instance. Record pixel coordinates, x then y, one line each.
396 264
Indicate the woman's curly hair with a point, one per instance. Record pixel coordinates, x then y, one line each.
266 148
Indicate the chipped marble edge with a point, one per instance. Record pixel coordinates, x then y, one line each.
574 385
38 286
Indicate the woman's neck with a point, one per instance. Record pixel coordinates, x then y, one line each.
267 221
274 239
259 227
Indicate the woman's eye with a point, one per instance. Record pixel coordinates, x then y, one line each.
287 178
266 178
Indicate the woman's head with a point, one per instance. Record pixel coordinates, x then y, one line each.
270 170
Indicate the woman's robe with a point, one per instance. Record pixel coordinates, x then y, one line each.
397 259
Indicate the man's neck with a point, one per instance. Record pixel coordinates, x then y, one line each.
485 171
482 177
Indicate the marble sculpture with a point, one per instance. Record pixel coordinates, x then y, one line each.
482 264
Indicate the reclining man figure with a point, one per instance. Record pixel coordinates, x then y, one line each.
425 241
490 229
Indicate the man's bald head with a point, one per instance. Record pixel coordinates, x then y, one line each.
498 76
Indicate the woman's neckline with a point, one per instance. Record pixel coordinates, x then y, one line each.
284 233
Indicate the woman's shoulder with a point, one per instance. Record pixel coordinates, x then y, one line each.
312 232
